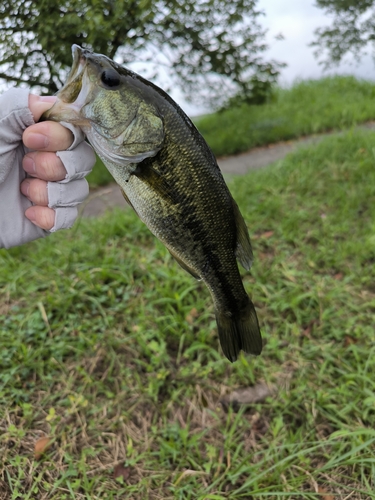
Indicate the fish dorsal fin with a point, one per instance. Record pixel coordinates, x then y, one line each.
184 266
243 250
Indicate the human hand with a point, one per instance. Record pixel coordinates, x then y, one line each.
57 167
46 167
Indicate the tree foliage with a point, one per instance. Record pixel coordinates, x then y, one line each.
351 32
208 47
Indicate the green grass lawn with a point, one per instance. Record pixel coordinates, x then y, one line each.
308 107
110 349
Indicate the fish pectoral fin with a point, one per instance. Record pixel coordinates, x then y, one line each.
145 173
184 266
127 200
244 252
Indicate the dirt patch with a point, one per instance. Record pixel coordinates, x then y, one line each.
102 199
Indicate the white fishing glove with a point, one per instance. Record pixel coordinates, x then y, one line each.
63 196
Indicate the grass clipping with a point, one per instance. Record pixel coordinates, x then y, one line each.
109 352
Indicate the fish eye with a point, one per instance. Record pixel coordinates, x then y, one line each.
110 78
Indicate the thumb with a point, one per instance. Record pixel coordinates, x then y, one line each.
39 104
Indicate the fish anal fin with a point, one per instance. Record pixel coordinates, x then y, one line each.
184 266
243 250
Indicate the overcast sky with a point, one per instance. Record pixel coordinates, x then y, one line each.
297 20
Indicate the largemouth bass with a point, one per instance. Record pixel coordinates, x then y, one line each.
170 177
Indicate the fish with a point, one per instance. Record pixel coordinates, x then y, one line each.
170 177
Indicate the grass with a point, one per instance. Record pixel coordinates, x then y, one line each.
110 349
308 107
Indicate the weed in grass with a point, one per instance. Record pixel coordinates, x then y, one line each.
109 349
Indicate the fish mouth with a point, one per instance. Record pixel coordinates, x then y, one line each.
72 95
73 85
80 57
79 87
78 63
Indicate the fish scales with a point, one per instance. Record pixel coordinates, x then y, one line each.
170 177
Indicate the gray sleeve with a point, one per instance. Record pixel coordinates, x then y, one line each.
15 117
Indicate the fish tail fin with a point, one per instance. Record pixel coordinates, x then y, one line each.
239 331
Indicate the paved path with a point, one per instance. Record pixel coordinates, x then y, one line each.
110 196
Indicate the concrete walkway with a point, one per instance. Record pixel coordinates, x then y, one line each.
110 196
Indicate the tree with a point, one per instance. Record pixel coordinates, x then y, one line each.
210 48
351 32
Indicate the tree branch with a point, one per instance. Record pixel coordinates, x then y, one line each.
31 83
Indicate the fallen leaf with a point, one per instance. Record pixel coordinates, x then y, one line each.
348 340
190 317
121 471
325 494
249 395
262 256
189 472
307 331
266 234
41 446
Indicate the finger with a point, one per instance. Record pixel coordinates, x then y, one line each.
47 136
78 162
39 104
67 195
44 165
36 191
64 218
43 217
